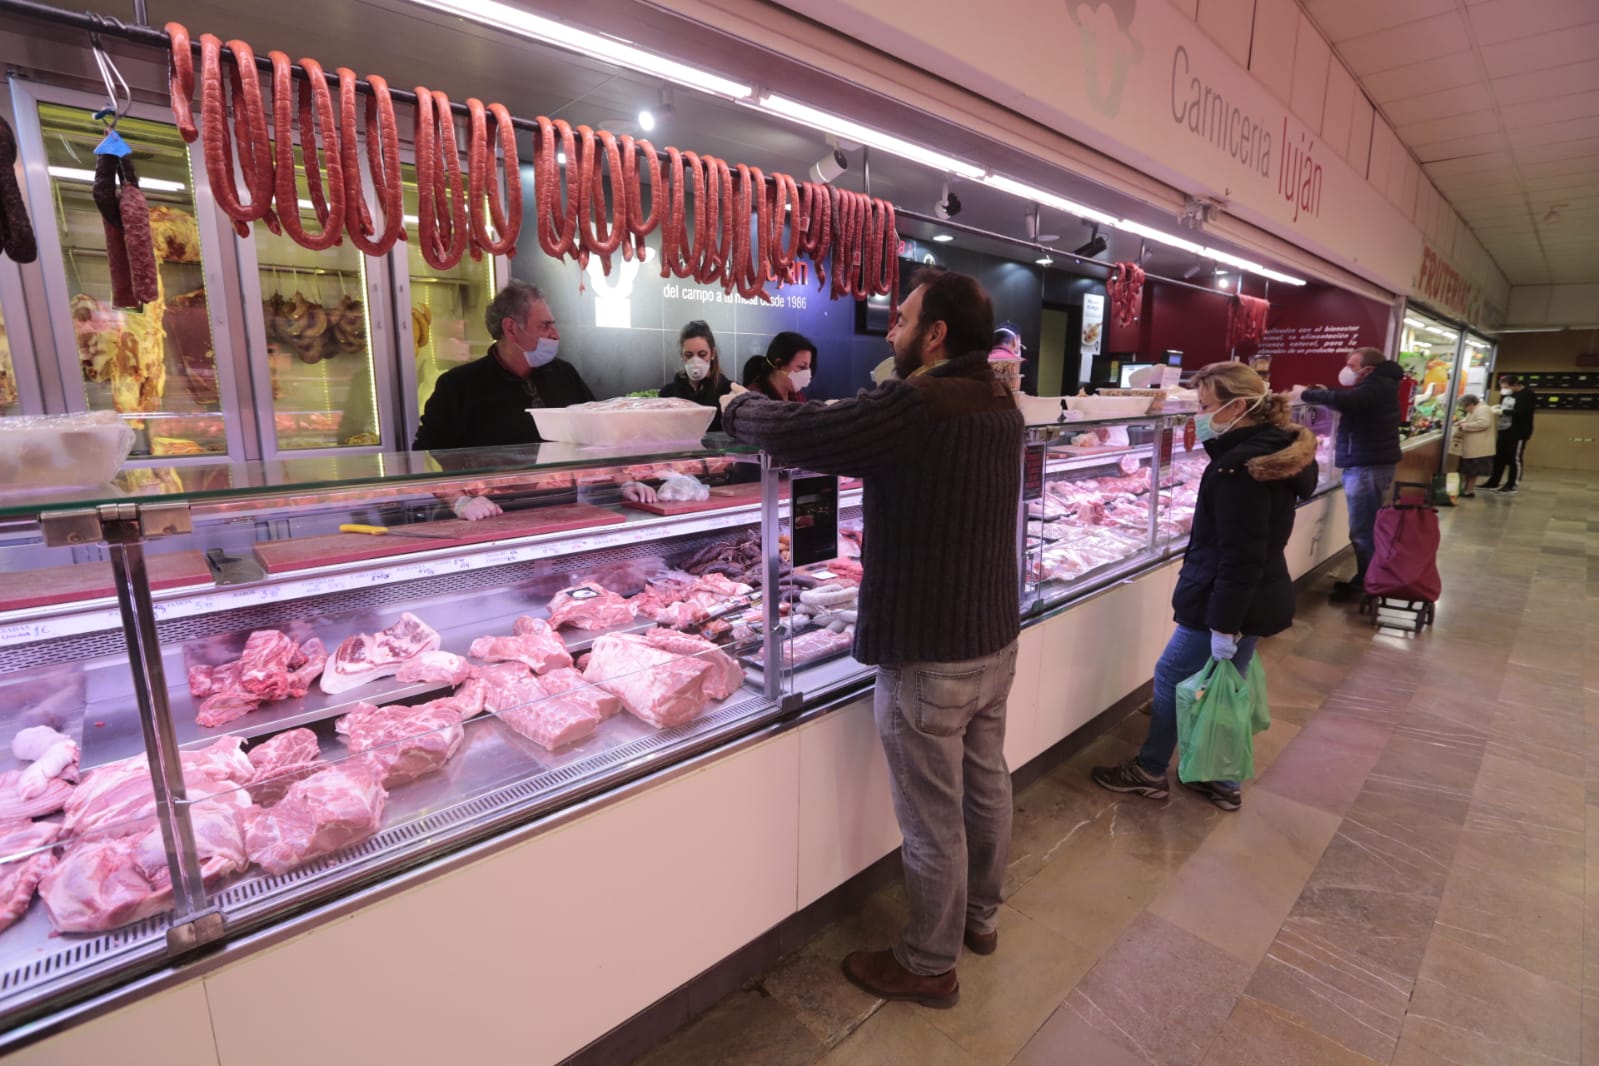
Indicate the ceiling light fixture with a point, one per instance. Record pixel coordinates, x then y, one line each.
827 169
854 131
150 184
1045 261
1159 237
944 238
1048 199
646 120
1096 244
592 45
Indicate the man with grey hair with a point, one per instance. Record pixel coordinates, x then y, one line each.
483 404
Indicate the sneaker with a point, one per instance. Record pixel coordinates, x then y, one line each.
1130 777
1489 485
1227 797
1508 490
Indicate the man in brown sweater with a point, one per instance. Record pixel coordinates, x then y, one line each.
939 449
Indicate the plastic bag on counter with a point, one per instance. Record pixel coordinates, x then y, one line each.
1219 711
680 488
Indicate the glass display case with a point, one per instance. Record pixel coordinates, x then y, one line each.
156 365
1429 351
321 704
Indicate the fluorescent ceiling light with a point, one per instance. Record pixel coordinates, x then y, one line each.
1286 279
854 131
152 184
944 238
592 45
1159 237
1414 324
1233 260
1539 329
1044 262
1047 199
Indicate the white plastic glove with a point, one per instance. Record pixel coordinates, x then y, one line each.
638 492
737 391
473 508
1223 645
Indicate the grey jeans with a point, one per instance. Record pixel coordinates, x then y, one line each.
943 730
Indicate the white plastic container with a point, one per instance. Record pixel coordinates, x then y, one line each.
1109 406
591 426
62 451
1039 410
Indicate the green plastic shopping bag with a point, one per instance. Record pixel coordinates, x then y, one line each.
1218 715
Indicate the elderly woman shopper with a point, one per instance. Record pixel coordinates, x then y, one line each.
1234 587
1474 443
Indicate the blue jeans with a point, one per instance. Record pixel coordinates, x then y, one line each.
943 730
1186 654
1366 489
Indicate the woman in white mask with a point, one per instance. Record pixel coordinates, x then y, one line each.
700 379
784 372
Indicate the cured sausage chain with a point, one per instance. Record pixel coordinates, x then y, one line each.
596 195
16 232
130 247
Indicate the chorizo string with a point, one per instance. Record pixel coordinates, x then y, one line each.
180 81
249 129
483 190
557 223
441 200
315 107
383 162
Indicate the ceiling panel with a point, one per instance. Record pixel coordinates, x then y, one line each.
1399 46
1443 103
1471 124
1582 76
1414 79
1505 20
1554 132
1341 20
1551 109
1506 58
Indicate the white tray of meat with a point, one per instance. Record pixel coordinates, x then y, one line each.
624 421
63 451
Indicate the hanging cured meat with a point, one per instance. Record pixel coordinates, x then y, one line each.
383 163
248 137
483 188
600 229
16 232
557 212
441 198
315 111
125 217
639 224
1125 287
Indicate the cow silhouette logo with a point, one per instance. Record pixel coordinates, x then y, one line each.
1109 49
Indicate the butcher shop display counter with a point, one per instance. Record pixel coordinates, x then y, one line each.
333 676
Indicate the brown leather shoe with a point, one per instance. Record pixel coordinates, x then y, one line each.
982 943
879 973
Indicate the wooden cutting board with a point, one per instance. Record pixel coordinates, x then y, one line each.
91 581
305 553
721 497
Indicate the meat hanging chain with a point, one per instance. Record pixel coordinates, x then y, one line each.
748 228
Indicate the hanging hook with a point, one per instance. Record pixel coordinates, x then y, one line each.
119 98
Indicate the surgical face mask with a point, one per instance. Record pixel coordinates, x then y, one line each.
1348 378
697 368
543 353
1205 427
799 379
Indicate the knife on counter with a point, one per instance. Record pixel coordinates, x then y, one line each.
381 531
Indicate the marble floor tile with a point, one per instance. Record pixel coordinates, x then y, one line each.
1515 918
1328 762
1006 996
1471 1009
1067 1038
745 1029
1272 743
1238 887
1259 1034
897 1034
1553 738
1160 992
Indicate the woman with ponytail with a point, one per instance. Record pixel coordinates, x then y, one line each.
1234 587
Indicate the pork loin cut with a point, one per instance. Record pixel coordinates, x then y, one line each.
366 657
522 702
333 809
435 667
655 685
281 761
534 643
589 607
28 857
574 686
726 675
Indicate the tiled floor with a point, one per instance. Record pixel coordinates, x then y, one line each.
1412 880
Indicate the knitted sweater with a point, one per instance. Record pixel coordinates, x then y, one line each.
940 456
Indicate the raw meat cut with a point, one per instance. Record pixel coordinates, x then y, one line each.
535 644
28 858
333 809
53 755
574 686
281 761
674 604
271 667
655 685
589 607
218 844
726 676
522 702
118 798
367 657
97 886
813 645
14 805
441 667
403 743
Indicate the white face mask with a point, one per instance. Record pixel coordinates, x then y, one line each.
1348 377
543 353
799 379
697 368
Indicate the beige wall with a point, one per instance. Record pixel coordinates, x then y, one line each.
1566 440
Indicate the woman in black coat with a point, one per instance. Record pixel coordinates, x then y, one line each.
701 378
1234 587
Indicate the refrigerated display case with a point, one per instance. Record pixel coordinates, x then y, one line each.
320 379
156 366
343 703
1429 352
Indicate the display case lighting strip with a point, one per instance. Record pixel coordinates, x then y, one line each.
851 130
1047 199
595 45
152 184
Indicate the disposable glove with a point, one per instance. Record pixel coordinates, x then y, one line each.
1222 645
473 508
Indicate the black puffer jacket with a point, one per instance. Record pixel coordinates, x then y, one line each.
1368 417
1234 577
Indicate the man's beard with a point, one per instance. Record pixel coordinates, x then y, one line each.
907 358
